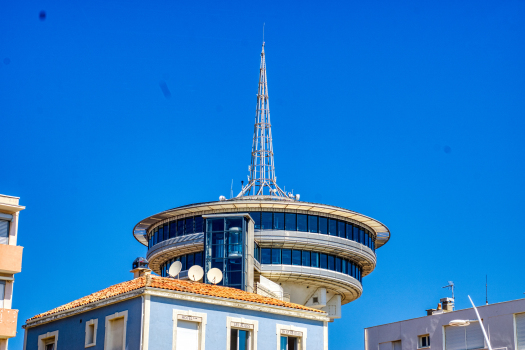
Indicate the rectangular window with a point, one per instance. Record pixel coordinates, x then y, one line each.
239 339
302 222
116 334
396 345
173 228
2 293
187 335
312 223
91 333
180 227
161 233
199 224
266 255
266 221
188 226
361 236
332 227
287 256
296 257
315 259
289 343
338 264
331 262
190 262
276 256
4 232
464 338
278 221
256 216
367 239
291 222
183 262
323 225
305 258
198 259
324 261
341 229
423 341
349 229
344 265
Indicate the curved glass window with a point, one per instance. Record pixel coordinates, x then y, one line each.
187 261
278 221
269 221
276 256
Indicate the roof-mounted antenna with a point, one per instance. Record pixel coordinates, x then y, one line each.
451 287
263 32
486 290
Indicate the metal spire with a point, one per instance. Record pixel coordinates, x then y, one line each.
262 180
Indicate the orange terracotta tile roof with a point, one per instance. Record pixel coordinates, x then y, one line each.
153 281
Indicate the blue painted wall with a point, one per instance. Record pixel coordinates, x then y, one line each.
72 330
161 325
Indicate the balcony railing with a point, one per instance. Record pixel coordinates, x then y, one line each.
8 323
10 258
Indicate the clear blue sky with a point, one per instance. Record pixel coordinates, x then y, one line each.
410 112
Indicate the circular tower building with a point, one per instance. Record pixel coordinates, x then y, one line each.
267 241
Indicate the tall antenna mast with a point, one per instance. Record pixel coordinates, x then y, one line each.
262 180
486 290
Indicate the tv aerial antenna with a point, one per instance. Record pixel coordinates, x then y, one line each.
451 287
214 275
195 273
174 269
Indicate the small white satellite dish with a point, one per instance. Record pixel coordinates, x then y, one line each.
214 275
175 269
195 273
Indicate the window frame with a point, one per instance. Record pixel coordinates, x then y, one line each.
43 340
109 318
93 322
419 341
190 316
290 330
243 324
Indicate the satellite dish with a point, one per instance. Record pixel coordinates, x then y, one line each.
195 273
214 275
175 269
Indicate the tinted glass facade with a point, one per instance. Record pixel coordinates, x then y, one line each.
312 223
224 248
187 261
276 256
271 221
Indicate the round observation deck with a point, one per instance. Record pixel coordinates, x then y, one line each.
296 243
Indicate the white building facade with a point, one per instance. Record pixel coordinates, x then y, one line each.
504 323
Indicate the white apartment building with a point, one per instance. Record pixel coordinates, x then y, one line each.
504 323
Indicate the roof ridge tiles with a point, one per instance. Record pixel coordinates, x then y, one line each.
165 283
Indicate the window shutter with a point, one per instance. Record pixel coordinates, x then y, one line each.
4 231
455 338
187 335
464 338
475 338
397 345
520 331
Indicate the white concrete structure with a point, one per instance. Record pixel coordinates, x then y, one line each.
504 323
10 264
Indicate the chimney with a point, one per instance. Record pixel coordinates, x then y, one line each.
448 304
140 267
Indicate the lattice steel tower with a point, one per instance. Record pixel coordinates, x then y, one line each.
262 180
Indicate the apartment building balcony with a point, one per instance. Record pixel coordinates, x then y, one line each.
10 258
8 319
